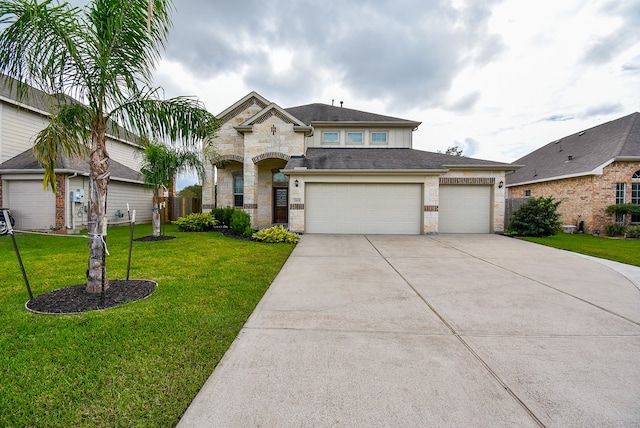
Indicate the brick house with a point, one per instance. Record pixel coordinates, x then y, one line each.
321 168
587 171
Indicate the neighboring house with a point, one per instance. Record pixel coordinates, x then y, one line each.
325 169
21 177
587 171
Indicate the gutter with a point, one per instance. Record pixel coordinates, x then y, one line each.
299 171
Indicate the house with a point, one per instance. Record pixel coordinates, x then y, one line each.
326 169
587 171
21 177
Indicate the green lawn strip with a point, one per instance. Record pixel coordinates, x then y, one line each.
619 250
142 363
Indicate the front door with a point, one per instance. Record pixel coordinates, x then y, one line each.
280 205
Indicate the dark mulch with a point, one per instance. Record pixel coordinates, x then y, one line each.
228 232
152 238
75 299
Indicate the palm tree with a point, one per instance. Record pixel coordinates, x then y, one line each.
160 166
103 56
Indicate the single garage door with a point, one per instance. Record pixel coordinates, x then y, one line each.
32 207
464 209
363 208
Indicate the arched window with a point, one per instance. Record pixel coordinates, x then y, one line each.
279 179
635 194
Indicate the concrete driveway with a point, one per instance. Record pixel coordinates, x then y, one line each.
448 330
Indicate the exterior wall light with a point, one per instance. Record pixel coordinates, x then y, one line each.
297 183
501 185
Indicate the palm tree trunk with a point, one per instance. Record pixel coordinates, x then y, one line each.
155 218
98 183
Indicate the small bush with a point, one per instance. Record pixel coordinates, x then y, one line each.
241 223
538 217
633 232
615 229
223 215
196 222
276 234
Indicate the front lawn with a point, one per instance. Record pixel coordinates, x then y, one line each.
619 250
140 364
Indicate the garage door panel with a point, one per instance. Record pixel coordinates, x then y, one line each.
32 207
363 208
464 209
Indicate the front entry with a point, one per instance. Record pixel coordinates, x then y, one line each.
280 205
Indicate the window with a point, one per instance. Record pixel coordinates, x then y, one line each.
379 138
527 193
620 197
635 195
279 178
238 191
354 138
331 137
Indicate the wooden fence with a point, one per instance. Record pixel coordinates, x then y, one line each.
179 207
511 206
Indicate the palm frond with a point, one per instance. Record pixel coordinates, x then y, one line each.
66 136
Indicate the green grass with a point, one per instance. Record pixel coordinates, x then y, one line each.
619 250
142 363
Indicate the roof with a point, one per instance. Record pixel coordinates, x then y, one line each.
386 159
26 163
313 113
583 153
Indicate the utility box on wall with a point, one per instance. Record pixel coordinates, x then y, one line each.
77 196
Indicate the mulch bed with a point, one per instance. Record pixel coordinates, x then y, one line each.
152 238
74 299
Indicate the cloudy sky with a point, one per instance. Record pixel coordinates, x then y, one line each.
495 78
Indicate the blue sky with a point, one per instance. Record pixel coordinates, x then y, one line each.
496 78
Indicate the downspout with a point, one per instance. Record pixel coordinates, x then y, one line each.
68 195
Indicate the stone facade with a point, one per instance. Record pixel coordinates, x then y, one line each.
256 153
584 198
0 191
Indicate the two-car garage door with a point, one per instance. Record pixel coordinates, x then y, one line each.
394 208
385 208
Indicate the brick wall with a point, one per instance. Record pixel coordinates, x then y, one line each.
585 198
61 200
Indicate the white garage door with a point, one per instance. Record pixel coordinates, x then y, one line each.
32 207
464 209
363 208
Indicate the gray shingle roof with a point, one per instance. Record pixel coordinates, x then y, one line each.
311 113
26 162
581 153
384 159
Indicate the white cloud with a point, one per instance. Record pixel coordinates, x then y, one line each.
489 74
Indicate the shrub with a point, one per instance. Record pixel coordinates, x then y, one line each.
276 234
196 222
241 223
615 229
633 232
223 215
538 217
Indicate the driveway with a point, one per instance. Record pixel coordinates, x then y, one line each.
447 330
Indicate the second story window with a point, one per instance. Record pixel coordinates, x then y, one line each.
330 137
354 138
379 138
